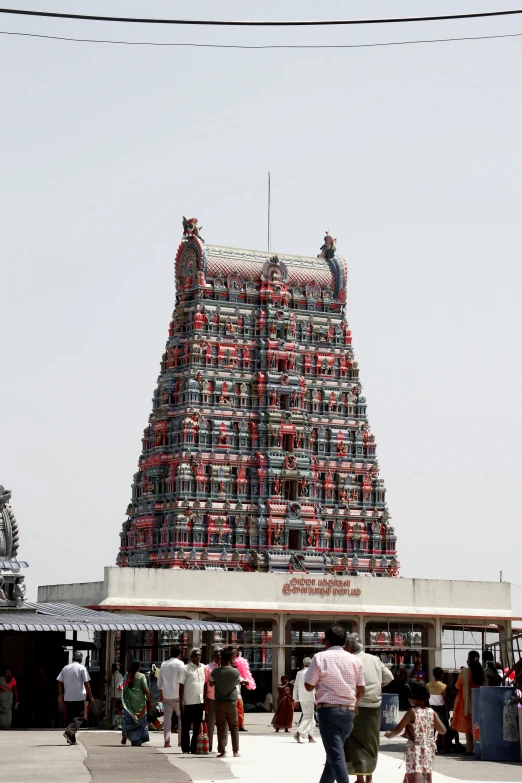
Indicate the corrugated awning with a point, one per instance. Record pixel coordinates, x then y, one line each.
13 565
68 617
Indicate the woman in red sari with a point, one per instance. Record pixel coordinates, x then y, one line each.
284 713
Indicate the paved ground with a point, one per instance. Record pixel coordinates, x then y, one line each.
43 757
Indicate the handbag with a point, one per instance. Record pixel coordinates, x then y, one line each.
202 742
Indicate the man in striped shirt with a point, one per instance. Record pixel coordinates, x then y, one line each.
338 679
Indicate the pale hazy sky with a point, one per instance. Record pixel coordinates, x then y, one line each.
410 155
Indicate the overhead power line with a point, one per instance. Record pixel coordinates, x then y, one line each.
247 23
265 46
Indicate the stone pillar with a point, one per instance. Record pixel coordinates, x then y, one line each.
288 647
506 650
361 630
278 654
128 650
107 650
208 641
435 642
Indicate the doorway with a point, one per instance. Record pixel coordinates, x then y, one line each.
295 540
290 490
288 442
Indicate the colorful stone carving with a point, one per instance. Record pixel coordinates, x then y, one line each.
258 454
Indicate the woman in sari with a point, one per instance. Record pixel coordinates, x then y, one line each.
8 695
470 677
284 713
135 699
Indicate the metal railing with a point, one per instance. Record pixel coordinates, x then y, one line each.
509 653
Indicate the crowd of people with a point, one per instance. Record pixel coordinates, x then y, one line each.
344 685
191 694
339 689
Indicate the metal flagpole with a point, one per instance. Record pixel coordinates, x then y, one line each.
269 227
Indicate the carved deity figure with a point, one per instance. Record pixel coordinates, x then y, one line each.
303 486
190 228
328 247
8 527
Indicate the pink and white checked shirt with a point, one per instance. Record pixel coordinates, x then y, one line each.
336 675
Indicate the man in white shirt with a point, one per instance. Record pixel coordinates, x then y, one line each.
210 704
307 701
115 695
168 684
73 693
361 749
192 696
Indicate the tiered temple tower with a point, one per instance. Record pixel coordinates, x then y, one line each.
258 454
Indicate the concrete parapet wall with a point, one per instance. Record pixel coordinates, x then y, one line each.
175 589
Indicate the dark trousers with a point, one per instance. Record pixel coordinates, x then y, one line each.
335 726
226 718
192 715
75 711
442 712
210 718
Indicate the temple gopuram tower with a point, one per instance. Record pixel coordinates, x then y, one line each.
258 454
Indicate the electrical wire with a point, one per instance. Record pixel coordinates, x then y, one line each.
266 46
253 23
67 551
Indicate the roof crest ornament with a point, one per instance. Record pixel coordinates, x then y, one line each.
190 228
329 247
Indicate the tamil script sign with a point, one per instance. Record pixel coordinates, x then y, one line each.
303 585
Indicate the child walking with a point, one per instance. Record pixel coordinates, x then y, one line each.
418 725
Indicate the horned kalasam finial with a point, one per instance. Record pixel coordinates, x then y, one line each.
190 228
329 247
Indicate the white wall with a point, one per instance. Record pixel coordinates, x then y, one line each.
79 593
151 589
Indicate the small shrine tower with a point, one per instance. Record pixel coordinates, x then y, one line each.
258 454
12 583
